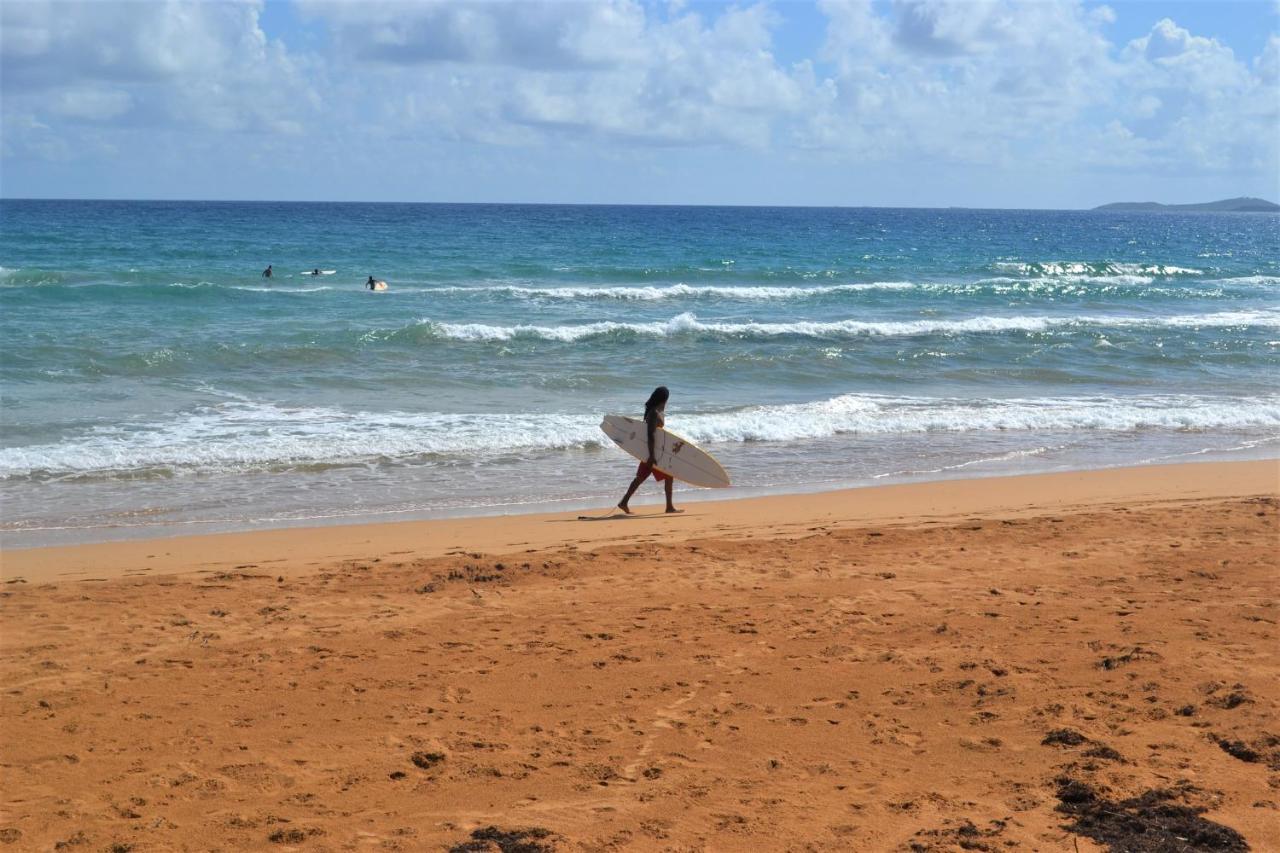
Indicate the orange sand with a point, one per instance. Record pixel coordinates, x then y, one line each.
861 670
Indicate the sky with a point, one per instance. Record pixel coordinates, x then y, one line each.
912 103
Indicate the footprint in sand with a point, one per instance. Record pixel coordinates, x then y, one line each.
665 718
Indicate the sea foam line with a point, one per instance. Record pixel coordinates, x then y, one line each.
1057 268
688 324
1072 283
247 436
653 293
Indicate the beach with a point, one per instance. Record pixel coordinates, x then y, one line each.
572 427
982 664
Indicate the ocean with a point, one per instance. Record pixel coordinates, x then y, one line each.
153 383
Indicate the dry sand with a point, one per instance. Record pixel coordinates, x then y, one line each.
969 665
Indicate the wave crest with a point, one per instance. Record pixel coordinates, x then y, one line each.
1093 268
688 324
245 436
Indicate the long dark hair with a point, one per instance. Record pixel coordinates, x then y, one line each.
656 399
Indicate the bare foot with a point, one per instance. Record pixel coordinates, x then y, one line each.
624 508
674 510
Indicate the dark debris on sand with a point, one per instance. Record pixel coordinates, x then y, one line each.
1263 749
426 760
475 573
1063 737
287 836
1103 751
492 839
967 836
1067 738
1135 654
1230 701
1239 749
1153 822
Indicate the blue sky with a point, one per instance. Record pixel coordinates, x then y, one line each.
985 103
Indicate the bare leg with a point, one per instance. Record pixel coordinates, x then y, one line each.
631 490
669 484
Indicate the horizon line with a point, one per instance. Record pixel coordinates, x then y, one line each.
4 198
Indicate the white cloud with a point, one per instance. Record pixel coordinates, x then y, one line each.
621 71
1167 40
93 103
1267 65
857 37
1017 85
1147 106
991 82
547 36
1212 111
1024 84
52 43
153 63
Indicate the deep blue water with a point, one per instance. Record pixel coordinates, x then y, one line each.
152 380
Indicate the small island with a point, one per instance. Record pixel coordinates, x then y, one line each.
1230 205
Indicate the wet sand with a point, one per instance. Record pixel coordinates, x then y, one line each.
983 665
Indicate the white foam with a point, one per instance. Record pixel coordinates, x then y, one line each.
1010 456
687 323
1252 280
251 288
1047 282
288 290
871 414
1260 319
1085 268
1156 269
244 436
1055 283
651 293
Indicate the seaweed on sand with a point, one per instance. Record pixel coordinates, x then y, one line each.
1153 822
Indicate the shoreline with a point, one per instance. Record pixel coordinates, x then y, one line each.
73 535
300 549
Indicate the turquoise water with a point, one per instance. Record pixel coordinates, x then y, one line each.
154 382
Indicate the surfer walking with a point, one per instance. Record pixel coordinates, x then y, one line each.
654 418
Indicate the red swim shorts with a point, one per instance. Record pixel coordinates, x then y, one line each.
646 469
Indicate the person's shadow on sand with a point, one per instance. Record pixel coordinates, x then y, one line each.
618 515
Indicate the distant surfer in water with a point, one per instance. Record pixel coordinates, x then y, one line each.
316 271
654 418
371 284
267 272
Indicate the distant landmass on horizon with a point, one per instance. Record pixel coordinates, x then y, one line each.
1235 205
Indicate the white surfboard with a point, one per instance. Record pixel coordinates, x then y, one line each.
313 272
674 454
377 285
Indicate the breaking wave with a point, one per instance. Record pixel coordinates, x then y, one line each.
690 325
246 436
